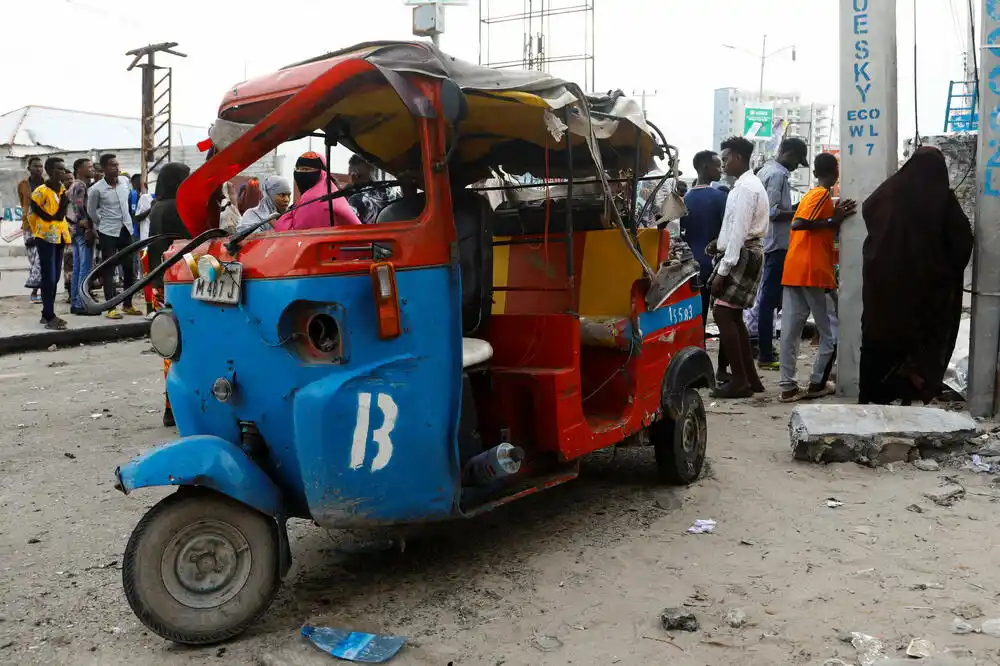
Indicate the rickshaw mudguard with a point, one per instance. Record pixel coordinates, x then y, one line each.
204 461
691 367
398 464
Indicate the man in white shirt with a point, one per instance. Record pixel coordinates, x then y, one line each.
739 265
108 209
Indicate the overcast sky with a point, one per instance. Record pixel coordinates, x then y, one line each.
671 46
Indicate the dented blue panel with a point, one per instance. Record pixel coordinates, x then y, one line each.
205 462
369 440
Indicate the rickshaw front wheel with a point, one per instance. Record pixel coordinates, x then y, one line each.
200 567
680 443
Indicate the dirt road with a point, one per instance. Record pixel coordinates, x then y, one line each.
578 575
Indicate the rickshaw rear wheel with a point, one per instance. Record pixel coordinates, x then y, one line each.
200 567
680 443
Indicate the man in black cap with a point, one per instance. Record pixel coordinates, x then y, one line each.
792 154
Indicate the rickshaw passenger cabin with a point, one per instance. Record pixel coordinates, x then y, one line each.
446 360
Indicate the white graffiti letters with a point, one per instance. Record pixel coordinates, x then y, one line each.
381 437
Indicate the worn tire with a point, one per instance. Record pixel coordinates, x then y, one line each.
162 559
680 443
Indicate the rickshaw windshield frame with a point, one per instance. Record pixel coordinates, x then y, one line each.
314 107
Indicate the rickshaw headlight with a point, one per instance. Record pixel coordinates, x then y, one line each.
165 334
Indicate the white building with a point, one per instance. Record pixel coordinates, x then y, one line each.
45 132
816 123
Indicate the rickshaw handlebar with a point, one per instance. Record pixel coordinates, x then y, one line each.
94 307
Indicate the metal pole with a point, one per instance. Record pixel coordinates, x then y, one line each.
868 155
986 254
763 59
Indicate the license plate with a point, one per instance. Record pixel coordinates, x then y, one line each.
225 289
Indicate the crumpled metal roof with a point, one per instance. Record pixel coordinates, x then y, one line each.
41 129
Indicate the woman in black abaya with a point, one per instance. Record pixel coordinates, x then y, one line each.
918 246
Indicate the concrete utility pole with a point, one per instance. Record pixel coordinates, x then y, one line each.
982 397
154 91
868 154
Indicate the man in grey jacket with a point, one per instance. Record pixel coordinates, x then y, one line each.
792 154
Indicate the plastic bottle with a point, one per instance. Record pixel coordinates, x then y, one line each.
500 461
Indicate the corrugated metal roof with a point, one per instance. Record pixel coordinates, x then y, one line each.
40 129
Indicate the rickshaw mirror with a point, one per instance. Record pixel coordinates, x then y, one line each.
453 102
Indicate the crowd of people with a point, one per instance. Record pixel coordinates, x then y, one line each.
73 218
760 254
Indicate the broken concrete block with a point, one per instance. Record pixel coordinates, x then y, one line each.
874 434
927 465
946 495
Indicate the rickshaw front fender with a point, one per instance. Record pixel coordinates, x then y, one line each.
691 367
208 462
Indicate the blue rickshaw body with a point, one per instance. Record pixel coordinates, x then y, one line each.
369 440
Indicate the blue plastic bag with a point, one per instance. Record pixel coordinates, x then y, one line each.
354 645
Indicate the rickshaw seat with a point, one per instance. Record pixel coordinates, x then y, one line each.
474 227
475 352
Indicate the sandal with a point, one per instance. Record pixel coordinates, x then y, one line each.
792 395
819 391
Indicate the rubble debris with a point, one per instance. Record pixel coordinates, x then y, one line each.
927 465
961 627
968 611
354 645
927 586
736 618
991 628
920 648
915 508
678 619
870 649
946 495
545 643
874 434
702 527
979 465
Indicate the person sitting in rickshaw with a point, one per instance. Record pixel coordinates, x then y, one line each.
311 211
275 198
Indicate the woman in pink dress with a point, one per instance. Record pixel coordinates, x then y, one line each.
309 213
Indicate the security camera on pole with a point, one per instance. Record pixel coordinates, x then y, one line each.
428 17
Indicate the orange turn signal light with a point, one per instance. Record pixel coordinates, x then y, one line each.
383 276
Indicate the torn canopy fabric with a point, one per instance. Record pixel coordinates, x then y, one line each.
517 118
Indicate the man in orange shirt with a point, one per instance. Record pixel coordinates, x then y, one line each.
808 275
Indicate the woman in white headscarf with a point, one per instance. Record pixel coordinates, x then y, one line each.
277 196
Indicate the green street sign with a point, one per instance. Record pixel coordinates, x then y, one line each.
757 122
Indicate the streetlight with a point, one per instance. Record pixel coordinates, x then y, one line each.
763 55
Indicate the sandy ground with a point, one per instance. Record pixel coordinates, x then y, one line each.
583 570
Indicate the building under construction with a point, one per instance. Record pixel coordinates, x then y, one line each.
553 36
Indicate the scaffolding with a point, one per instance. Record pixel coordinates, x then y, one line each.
156 99
537 18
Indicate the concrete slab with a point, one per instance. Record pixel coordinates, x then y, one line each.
20 329
874 434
